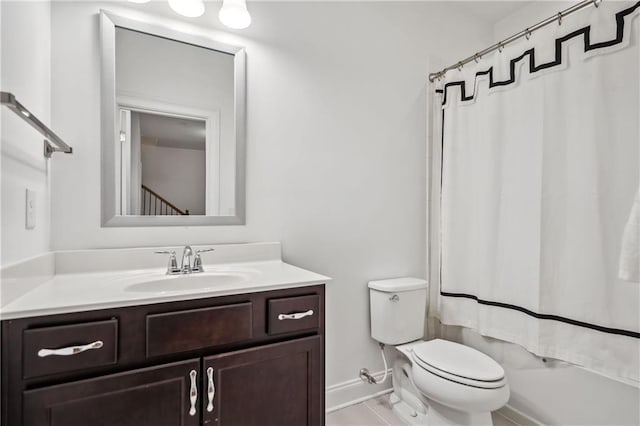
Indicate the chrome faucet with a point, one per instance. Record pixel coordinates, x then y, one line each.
185 266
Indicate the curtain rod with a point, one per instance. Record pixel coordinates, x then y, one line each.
524 33
10 101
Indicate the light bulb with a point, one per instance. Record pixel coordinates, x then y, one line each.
188 8
234 14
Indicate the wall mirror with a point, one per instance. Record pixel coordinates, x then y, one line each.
173 127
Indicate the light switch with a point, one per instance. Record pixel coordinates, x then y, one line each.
31 209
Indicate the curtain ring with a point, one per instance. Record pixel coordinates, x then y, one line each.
596 3
500 47
527 34
559 18
460 65
475 58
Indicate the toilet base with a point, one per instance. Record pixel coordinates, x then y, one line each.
436 415
441 415
406 413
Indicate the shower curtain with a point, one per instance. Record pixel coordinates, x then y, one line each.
539 167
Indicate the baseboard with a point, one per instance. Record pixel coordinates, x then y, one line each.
518 417
355 391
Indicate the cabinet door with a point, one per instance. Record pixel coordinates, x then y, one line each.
277 384
155 396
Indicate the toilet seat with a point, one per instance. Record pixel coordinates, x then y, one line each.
459 363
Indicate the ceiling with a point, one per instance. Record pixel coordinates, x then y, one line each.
172 132
489 11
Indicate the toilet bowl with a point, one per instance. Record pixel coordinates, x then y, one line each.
456 384
435 382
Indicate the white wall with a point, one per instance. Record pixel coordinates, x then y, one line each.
553 392
178 175
25 71
527 16
336 144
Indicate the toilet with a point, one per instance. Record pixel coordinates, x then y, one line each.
435 382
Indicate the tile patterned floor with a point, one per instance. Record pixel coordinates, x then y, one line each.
377 411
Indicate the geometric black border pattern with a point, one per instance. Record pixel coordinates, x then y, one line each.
533 68
586 32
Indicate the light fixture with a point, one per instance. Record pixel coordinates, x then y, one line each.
234 14
188 8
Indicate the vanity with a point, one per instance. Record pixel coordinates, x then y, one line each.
107 337
247 352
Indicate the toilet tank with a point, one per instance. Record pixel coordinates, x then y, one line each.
398 308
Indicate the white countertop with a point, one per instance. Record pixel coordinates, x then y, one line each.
91 290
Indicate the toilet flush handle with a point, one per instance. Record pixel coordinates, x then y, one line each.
394 298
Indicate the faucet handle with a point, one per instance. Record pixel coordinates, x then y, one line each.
204 250
197 261
172 267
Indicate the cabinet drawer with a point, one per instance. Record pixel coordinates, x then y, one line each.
59 349
289 314
190 330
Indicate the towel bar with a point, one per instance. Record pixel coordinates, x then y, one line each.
52 143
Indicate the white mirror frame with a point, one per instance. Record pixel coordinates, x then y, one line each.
109 131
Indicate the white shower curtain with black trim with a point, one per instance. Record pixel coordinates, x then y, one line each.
539 172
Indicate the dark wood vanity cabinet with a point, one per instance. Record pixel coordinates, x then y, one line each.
274 385
252 359
148 396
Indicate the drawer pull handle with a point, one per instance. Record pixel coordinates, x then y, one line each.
193 393
296 316
211 389
71 350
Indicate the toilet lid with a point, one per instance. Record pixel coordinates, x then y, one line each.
458 360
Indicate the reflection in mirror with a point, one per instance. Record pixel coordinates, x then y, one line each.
174 77
162 164
178 127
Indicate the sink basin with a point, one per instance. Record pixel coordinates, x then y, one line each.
191 282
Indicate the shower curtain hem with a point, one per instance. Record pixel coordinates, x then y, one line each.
547 351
